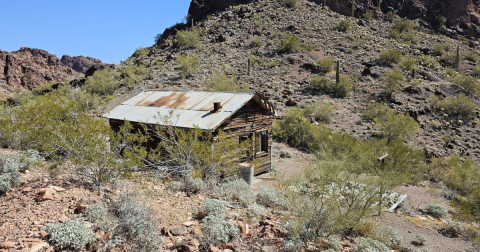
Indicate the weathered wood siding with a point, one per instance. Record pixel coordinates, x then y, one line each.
252 118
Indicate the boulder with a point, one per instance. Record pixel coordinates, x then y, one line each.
7 245
46 194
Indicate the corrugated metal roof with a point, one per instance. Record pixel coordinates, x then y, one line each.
189 108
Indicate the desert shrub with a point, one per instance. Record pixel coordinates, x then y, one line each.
408 63
321 110
344 87
8 181
221 82
285 153
320 83
461 106
368 244
389 236
188 39
141 52
11 164
290 3
467 82
289 43
293 244
195 185
272 198
453 228
216 229
334 243
236 190
103 221
476 72
390 57
188 65
325 65
214 208
472 55
256 42
404 29
440 23
440 49
102 83
176 185
343 25
421 239
136 224
458 174
392 79
257 209
219 231
428 61
436 210
72 234
392 124
369 14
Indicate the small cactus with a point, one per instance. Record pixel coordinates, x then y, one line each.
337 76
353 8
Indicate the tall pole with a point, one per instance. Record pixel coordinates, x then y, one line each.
381 181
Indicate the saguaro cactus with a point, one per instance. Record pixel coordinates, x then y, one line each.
457 59
337 76
353 8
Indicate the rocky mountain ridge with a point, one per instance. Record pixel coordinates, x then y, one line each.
463 16
30 67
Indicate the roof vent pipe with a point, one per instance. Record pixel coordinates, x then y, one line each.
217 106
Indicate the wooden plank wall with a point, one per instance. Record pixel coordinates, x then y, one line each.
252 117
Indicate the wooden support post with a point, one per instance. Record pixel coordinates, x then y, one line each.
381 185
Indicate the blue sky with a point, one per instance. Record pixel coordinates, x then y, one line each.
103 29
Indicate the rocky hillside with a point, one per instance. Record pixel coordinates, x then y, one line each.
30 67
225 46
463 16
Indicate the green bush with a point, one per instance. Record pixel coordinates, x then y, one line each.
344 87
221 82
72 234
188 65
141 52
320 83
188 39
436 210
440 23
256 42
288 43
321 110
472 55
404 29
393 79
195 185
391 124
390 57
467 82
461 106
440 49
325 65
458 174
102 83
408 63
476 72
236 190
214 208
272 198
343 25
11 164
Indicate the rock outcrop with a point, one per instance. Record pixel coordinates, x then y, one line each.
30 67
79 63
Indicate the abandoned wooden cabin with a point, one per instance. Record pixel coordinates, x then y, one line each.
248 116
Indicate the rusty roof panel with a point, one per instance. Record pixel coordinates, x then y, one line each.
190 108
